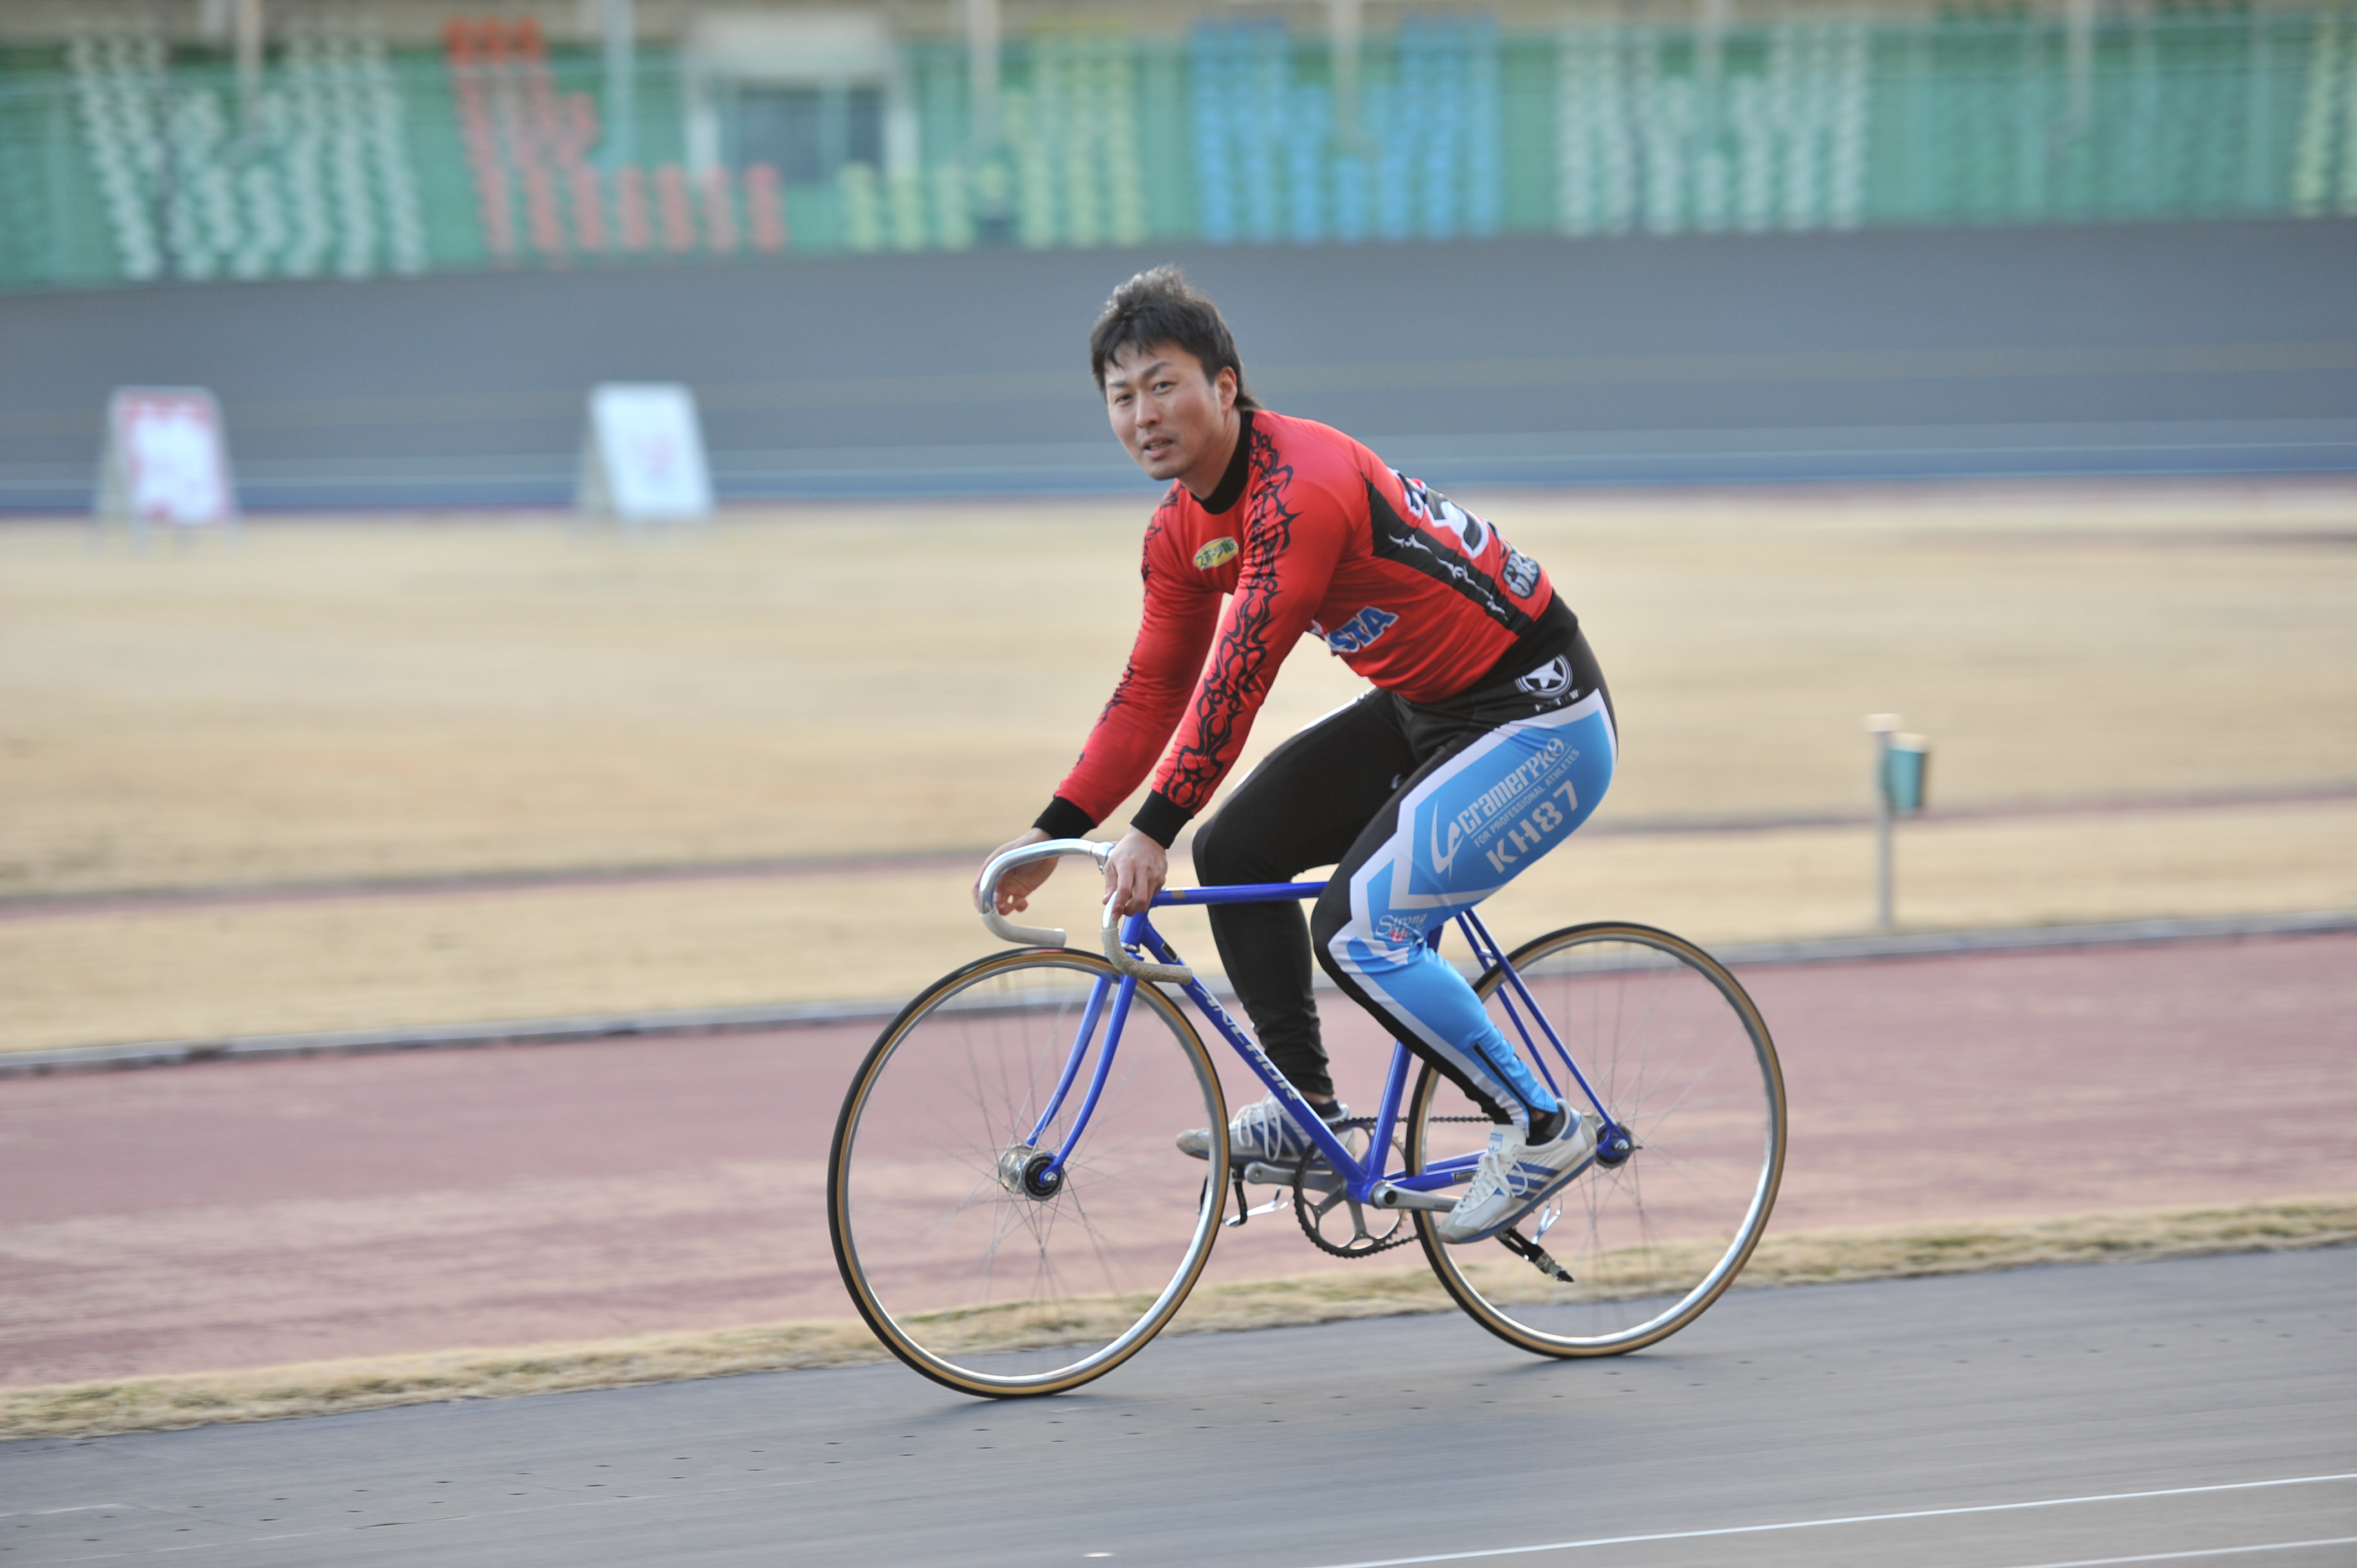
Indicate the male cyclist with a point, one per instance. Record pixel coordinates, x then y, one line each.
1487 739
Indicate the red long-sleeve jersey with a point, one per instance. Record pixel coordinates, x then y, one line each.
1308 531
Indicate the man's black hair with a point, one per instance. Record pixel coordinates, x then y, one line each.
1161 307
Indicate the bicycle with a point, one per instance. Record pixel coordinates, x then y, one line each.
1007 1228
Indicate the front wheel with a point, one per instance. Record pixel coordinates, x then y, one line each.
976 1258
1650 1236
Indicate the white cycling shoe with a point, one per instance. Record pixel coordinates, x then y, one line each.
1262 1131
1514 1176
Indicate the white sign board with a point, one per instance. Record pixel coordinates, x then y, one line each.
167 459
642 458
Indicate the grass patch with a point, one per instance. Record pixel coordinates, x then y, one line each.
1812 1257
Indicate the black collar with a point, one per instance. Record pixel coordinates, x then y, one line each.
1231 483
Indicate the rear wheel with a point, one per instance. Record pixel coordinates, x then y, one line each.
1683 1063
978 1260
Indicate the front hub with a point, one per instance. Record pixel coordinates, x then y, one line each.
1026 1173
1614 1144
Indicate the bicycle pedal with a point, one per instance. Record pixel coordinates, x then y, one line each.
1538 1257
1544 1261
1246 1208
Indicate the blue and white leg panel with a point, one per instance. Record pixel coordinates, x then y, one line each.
1461 832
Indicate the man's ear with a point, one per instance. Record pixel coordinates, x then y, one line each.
1225 384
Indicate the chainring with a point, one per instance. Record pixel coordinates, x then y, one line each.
1310 1213
1362 1244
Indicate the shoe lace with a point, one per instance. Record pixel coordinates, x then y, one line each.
1262 1128
1490 1176
1267 1128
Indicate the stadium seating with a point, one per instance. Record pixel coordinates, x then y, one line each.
349 159
530 148
313 176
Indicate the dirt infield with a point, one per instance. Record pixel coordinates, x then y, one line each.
317 701
331 699
251 1215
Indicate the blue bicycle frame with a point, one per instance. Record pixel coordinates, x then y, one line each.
1360 1178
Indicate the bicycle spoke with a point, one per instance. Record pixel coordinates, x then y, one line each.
1683 1066
969 1279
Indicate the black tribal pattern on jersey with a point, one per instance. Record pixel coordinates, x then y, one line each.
1307 533
1241 666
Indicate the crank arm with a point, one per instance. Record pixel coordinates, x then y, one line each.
1386 1196
1320 1180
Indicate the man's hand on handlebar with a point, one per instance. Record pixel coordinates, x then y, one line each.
1134 874
1015 888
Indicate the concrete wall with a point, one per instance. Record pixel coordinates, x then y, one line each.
2196 347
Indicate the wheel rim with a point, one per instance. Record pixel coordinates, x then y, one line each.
1681 1060
974 1264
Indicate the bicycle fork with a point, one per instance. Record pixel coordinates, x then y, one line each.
1026 1169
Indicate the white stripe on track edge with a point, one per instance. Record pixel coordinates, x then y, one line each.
2205 1552
1873 1519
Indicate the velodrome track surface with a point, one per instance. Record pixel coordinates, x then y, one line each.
249 1214
2191 1411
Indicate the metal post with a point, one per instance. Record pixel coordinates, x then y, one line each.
1342 30
621 83
2080 52
1883 725
986 176
168 194
1712 19
247 26
982 79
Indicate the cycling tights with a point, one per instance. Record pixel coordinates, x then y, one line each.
1424 810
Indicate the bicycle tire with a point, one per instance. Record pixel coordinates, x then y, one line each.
1691 1074
968 1277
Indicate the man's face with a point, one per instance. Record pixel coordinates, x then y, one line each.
1171 417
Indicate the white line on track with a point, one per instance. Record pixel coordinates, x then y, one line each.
1887 1518
2206 1551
